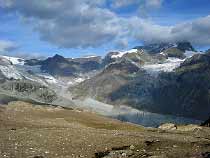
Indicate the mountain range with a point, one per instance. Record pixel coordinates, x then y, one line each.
165 78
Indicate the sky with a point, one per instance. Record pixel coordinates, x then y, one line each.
75 28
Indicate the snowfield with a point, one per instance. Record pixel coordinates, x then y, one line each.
168 66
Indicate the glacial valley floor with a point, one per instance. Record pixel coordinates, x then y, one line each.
34 131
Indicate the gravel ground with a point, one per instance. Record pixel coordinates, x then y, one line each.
33 131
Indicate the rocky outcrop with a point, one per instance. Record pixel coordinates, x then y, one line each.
25 89
182 128
168 126
206 123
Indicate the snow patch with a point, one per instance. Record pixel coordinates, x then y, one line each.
75 81
14 60
175 46
189 54
49 79
168 66
120 54
90 56
162 53
78 80
10 72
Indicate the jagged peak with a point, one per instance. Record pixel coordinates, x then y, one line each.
57 56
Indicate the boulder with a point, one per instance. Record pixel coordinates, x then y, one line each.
168 126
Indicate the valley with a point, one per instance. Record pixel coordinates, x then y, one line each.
136 86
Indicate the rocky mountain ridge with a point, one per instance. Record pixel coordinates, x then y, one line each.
157 78
163 83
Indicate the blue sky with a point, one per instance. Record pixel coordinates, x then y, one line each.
95 28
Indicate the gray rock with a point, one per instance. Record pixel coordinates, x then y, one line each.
168 126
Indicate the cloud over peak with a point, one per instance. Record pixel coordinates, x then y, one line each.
196 32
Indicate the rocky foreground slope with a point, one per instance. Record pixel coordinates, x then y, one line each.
35 131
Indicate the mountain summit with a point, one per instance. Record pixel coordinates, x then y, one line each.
160 47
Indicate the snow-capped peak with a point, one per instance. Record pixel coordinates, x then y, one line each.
120 54
14 60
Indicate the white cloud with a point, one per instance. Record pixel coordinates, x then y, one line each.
28 55
144 6
121 43
153 3
141 3
65 23
6 46
10 48
122 3
196 31
6 3
88 23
